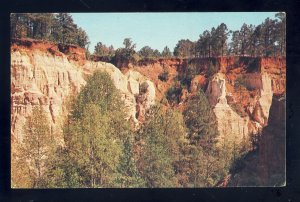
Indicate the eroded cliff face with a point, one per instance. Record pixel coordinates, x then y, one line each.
240 92
265 166
234 118
229 122
47 75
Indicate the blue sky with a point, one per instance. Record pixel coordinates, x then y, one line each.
158 30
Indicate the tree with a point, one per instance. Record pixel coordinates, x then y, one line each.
219 39
268 39
146 52
245 34
235 43
36 145
93 147
129 44
255 41
124 56
281 27
184 48
94 134
201 121
156 53
128 176
32 25
166 52
201 152
81 38
204 44
100 49
59 28
64 29
156 159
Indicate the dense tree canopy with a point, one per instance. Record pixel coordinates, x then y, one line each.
59 28
94 135
184 48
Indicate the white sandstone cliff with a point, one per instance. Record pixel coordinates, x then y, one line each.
230 123
39 78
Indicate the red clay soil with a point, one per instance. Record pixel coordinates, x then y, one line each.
73 53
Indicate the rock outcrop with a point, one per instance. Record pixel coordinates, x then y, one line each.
240 92
234 121
265 166
229 122
45 74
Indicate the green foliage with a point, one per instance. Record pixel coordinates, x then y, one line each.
94 147
266 39
59 28
201 121
164 76
184 48
186 78
166 53
32 25
146 52
125 56
129 44
94 135
63 170
202 158
101 91
37 145
160 152
102 50
173 94
128 176
212 69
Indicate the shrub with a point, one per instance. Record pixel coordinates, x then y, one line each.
144 87
212 69
241 81
164 76
173 94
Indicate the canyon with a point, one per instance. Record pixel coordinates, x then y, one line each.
241 91
47 75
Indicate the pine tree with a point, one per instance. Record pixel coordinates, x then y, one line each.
281 27
184 48
128 175
201 154
156 159
65 28
166 52
201 121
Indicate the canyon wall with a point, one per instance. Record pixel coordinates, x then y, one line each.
265 166
240 90
47 75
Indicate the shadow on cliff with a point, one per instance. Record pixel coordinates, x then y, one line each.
265 166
